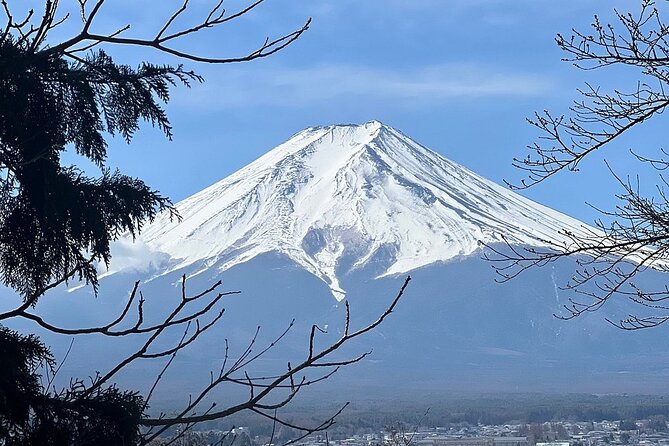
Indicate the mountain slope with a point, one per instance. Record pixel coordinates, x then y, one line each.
342 205
338 198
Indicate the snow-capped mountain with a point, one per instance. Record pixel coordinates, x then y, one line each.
335 207
342 196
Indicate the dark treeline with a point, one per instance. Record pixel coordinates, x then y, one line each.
537 408
372 416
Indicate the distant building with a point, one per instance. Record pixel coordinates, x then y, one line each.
475 441
241 430
511 441
554 443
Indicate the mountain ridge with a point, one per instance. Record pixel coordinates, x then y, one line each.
335 198
344 211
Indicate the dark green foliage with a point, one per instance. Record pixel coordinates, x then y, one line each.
109 416
30 415
20 389
56 222
54 219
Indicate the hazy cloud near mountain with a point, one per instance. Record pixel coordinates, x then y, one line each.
133 255
416 87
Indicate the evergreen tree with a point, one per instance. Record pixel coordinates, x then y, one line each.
55 221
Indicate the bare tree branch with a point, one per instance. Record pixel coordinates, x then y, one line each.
261 390
612 258
160 42
600 118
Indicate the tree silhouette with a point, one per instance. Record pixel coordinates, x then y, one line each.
56 222
612 256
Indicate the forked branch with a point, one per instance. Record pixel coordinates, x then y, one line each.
34 37
635 239
263 390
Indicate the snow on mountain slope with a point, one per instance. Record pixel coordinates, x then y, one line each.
345 196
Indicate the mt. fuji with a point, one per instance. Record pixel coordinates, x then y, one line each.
347 211
338 198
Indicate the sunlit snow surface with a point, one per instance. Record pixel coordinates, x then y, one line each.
356 192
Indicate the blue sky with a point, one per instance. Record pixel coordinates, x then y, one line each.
458 76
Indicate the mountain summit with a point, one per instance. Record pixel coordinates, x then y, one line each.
353 208
338 198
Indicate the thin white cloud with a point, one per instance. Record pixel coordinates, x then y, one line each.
496 351
299 87
133 256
